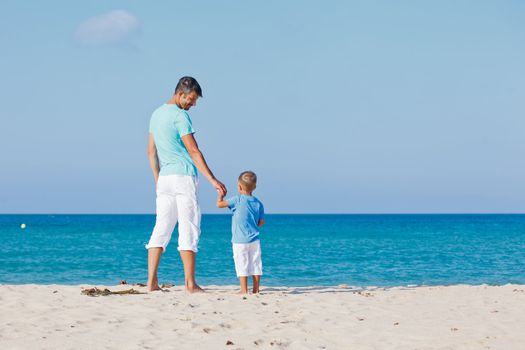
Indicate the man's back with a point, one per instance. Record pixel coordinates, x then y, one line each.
168 125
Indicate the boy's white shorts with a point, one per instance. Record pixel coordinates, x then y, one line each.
177 201
247 257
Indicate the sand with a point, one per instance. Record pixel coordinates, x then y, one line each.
452 317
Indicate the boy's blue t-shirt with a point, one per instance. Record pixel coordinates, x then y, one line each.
247 211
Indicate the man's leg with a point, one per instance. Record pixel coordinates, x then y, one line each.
244 284
256 283
188 260
154 255
189 216
165 222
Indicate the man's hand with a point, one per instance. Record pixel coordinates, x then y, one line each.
219 186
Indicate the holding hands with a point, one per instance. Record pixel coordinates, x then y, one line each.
219 186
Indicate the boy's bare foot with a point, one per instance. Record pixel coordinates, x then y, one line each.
242 292
255 291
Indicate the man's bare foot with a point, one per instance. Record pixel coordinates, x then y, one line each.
154 288
194 289
242 292
255 291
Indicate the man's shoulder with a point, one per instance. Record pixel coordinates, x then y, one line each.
167 109
169 114
158 114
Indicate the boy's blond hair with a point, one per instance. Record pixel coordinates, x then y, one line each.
248 180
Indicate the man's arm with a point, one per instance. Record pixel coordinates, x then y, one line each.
153 159
193 149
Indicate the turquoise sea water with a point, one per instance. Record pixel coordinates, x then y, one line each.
298 250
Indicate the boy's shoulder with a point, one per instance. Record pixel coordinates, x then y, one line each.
251 198
240 199
235 197
233 201
255 203
257 200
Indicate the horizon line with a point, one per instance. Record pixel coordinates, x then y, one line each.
386 213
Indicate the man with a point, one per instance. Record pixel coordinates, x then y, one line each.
174 158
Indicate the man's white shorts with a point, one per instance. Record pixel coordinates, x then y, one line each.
177 201
247 257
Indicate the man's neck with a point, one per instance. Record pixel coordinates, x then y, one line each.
174 100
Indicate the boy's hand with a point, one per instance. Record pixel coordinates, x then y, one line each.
221 203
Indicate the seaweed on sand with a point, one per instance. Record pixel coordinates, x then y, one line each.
95 292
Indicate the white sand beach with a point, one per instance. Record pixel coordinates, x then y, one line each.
453 317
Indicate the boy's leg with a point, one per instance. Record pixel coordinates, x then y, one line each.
256 265
241 259
256 283
244 284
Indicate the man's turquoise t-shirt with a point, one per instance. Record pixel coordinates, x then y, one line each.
168 125
247 211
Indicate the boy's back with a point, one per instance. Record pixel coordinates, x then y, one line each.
247 212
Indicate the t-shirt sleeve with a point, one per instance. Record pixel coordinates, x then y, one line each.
150 127
261 211
184 126
232 201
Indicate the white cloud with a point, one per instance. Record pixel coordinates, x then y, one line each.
111 27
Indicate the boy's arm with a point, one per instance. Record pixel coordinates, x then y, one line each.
261 215
221 203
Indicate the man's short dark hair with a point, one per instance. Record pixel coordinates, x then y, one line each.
187 85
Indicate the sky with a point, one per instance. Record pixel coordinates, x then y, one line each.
338 106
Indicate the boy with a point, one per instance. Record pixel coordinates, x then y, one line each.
248 215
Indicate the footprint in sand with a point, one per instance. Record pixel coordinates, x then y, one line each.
278 342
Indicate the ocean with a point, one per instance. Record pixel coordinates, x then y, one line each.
298 250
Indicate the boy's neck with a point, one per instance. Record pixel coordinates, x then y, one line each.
246 193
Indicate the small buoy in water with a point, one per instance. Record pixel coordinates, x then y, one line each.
23 226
